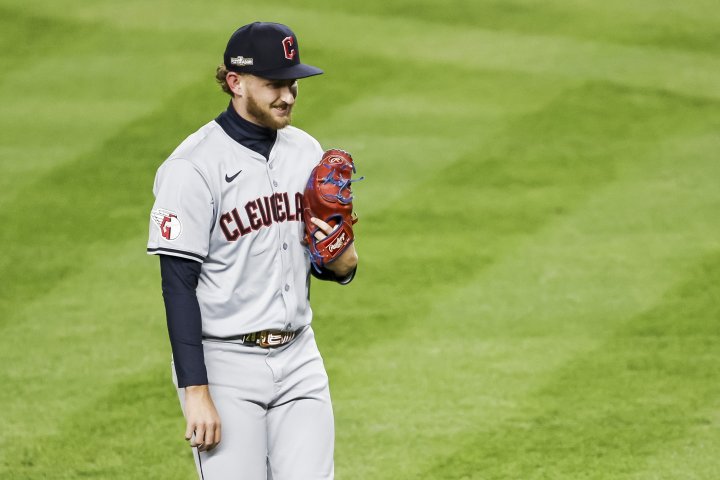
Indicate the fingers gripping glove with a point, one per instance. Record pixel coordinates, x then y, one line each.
328 196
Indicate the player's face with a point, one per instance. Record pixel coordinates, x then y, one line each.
269 102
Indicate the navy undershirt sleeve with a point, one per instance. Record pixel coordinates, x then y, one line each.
329 275
179 281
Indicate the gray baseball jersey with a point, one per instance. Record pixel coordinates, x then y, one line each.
239 214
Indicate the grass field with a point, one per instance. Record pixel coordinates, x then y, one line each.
539 289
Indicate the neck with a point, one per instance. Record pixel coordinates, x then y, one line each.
255 137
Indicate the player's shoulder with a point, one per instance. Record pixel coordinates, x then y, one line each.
300 138
198 149
302 145
202 144
188 158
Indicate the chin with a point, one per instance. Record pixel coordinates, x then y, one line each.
281 122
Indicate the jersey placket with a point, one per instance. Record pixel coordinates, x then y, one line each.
283 245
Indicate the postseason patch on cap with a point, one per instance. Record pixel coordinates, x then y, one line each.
241 61
168 223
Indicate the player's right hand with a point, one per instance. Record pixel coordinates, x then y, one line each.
347 261
203 421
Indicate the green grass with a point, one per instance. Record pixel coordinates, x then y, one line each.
538 295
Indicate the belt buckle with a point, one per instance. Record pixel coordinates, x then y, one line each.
269 339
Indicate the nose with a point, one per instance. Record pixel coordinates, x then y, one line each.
288 95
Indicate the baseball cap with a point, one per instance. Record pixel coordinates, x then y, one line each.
268 50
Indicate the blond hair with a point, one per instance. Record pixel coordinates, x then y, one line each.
221 78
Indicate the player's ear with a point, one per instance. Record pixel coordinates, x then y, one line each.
235 83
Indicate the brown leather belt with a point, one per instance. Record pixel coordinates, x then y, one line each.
264 339
269 338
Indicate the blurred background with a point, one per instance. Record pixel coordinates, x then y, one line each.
539 288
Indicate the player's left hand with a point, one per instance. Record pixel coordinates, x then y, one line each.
347 261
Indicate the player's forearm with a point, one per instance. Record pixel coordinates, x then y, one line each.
189 361
345 264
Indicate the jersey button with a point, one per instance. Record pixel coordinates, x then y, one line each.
287 287
271 166
275 184
285 245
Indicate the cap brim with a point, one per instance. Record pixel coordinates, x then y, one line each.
288 73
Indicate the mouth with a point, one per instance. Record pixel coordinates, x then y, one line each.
282 110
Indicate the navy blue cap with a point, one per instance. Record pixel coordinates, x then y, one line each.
268 50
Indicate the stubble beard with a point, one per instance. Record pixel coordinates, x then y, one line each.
264 115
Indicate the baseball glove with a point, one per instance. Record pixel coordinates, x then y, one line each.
328 196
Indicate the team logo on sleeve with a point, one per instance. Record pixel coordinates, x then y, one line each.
168 223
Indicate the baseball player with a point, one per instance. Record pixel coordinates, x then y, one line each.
228 226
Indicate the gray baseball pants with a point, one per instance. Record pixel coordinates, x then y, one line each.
275 411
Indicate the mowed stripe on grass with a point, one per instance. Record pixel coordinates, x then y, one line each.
619 410
685 26
71 85
497 175
540 168
647 64
459 365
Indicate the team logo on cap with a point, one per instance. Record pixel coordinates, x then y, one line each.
289 48
241 61
168 223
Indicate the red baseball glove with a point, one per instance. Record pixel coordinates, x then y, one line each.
328 196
